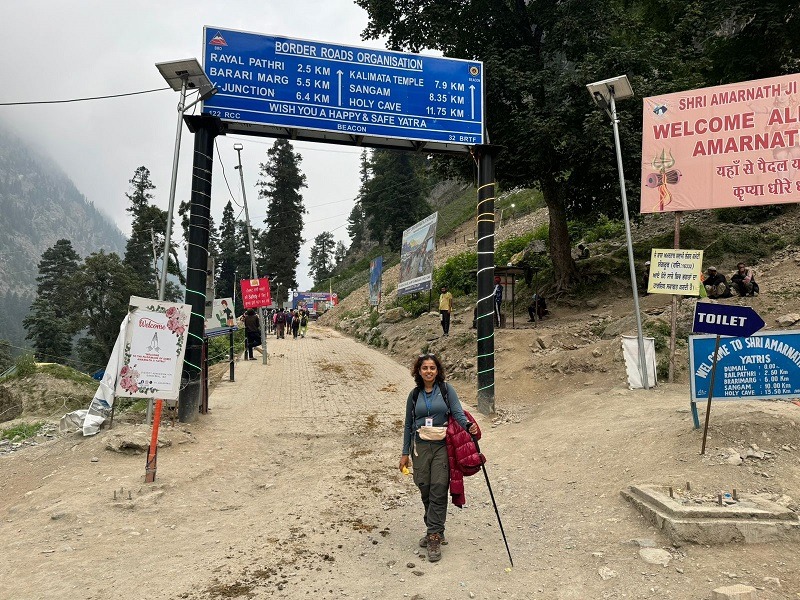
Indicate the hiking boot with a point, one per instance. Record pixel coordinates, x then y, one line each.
423 541
434 547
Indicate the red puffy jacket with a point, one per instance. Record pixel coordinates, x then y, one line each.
463 457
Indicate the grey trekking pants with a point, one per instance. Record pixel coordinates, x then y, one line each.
432 476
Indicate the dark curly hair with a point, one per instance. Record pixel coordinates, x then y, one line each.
440 375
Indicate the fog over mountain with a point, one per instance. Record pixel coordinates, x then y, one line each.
39 205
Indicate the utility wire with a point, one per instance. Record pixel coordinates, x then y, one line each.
29 103
224 176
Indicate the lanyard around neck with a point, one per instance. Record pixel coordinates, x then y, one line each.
428 399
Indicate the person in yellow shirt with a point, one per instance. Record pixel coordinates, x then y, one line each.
445 307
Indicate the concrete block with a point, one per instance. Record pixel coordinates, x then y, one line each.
734 592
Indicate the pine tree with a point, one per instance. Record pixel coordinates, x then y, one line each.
339 254
355 222
280 187
320 261
393 199
53 317
148 228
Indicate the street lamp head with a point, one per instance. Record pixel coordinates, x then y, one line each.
513 205
238 147
602 91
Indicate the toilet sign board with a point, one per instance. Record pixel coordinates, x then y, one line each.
726 319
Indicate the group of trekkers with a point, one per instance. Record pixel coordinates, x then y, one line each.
294 321
278 321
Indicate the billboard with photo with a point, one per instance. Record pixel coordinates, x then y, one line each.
729 145
416 256
222 319
375 273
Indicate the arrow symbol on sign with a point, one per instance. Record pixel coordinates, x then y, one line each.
726 319
472 100
339 73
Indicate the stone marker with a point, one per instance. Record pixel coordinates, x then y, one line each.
734 592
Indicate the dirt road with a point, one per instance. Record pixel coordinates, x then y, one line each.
289 488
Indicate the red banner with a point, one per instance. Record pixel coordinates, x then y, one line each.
255 293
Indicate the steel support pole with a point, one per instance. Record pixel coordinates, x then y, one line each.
485 154
253 267
631 264
205 129
162 287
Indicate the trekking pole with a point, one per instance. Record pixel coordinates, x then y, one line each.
491 495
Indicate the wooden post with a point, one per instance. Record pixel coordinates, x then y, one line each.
674 320
152 452
710 393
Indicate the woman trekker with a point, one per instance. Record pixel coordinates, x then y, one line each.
303 322
295 324
427 416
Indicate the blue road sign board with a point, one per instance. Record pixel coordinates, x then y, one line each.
766 365
328 92
726 319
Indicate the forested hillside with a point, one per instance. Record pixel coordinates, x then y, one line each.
38 206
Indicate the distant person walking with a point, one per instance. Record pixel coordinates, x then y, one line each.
252 332
303 323
295 324
427 415
280 323
445 308
498 299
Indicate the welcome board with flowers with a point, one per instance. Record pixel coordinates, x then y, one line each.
155 343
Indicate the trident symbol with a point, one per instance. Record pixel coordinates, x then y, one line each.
664 176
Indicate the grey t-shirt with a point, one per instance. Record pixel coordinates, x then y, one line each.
438 411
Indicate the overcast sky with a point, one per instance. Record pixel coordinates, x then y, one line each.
60 50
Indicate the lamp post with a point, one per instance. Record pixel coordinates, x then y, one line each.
181 75
605 93
253 269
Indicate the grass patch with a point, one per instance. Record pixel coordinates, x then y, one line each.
22 431
525 201
65 373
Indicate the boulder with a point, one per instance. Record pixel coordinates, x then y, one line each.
395 315
788 320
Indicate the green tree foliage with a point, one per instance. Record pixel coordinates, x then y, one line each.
355 222
233 262
145 247
320 261
52 320
538 58
355 226
280 185
393 198
103 288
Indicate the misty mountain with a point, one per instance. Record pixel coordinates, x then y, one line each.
39 205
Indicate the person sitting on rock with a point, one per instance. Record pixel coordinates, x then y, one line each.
716 284
583 252
744 281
